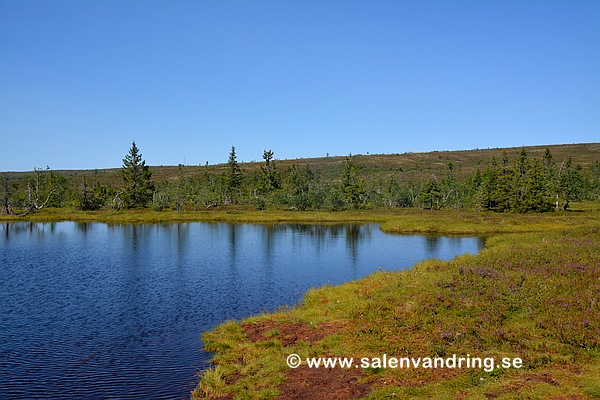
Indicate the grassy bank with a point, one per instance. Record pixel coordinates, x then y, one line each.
533 294
238 214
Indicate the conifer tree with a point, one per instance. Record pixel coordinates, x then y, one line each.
594 187
488 187
552 183
180 189
519 182
353 187
536 197
136 177
303 189
234 176
270 177
572 183
89 199
430 196
504 193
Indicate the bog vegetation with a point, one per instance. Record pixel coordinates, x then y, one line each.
518 180
530 295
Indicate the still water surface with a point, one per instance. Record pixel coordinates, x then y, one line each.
90 310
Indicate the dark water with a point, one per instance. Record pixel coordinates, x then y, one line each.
90 310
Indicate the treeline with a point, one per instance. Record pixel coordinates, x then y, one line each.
525 184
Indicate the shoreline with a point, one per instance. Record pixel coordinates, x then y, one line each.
500 303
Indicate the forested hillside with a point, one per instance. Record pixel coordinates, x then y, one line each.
540 178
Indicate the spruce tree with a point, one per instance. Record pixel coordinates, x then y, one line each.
594 187
430 196
552 182
572 183
519 189
504 194
536 182
489 188
353 187
234 176
89 200
136 177
270 177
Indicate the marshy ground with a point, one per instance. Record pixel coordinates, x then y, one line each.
533 293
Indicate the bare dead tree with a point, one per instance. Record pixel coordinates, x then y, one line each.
6 207
34 195
445 197
117 202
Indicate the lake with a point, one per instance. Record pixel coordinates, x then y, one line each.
92 310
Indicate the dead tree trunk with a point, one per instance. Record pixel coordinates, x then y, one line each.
33 200
34 196
6 208
117 202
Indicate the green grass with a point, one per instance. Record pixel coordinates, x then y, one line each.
400 220
234 214
532 293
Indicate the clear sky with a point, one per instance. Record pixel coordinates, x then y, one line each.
79 80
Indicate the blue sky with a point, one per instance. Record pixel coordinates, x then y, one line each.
79 80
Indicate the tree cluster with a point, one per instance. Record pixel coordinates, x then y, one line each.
529 184
524 184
